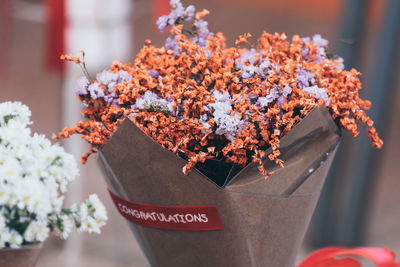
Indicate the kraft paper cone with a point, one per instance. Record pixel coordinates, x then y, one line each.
264 220
25 256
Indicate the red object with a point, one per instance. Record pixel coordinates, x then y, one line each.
341 257
160 7
187 218
56 23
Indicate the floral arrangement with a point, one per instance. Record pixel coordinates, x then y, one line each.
34 175
205 101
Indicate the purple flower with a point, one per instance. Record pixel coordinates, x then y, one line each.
319 41
340 64
106 77
319 93
145 100
249 56
321 44
162 23
227 125
281 100
257 65
246 75
189 12
150 99
265 65
171 43
111 79
264 101
305 78
176 14
112 99
175 4
202 33
95 91
123 76
286 90
81 87
284 93
153 73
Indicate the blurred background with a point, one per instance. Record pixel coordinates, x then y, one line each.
360 202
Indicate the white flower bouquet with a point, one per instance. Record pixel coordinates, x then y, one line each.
34 175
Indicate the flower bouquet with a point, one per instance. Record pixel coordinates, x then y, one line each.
34 175
216 155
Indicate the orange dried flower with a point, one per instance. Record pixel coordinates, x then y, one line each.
201 99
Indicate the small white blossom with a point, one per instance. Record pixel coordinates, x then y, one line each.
14 239
37 230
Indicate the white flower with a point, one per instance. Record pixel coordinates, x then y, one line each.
37 231
34 174
67 225
33 195
10 169
83 211
2 222
14 111
5 237
90 225
15 239
100 212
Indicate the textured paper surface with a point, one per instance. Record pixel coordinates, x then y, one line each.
264 220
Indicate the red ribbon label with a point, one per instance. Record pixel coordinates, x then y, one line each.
187 218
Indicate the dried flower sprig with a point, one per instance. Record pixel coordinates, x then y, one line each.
201 99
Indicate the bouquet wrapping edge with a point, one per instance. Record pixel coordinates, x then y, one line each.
264 220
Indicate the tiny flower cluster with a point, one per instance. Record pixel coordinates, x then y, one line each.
203 100
34 175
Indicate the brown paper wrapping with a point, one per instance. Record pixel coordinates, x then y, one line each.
264 219
25 256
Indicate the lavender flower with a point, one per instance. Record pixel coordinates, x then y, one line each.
153 73
162 23
340 64
285 92
95 91
112 99
319 93
123 76
171 43
319 41
107 77
176 14
111 79
81 87
151 100
228 125
189 12
252 62
321 44
264 101
201 38
175 4
305 79
199 32
263 68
